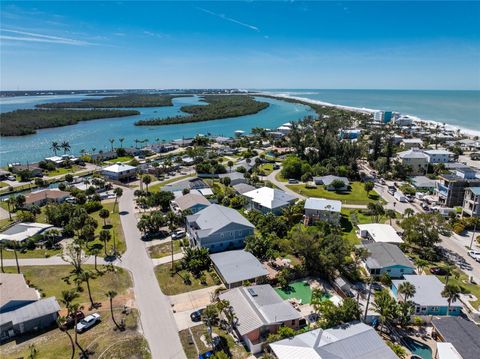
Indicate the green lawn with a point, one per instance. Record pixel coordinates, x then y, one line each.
266 168
36 253
174 284
101 339
349 229
48 280
164 249
356 195
3 184
237 351
280 178
114 225
158 187
62 171
120 159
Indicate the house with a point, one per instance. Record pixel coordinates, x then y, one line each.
266 199
22 231
33 168
104 156
408 143
459 333
191 202
235 177
183 142
242 188
218 228
260 312
60 160
471 202
379 232
351 134
404 121
321 209
328 180
189 184
423 183
428 298
387 258
348 341
439 156
44 196
451 187
224 140
15 292
415 160
238 266
120 172
31 317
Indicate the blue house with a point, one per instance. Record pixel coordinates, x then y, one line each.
218 228
428 298
387 258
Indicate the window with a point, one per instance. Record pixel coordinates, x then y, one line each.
293 322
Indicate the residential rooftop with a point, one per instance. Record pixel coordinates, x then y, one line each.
463 334
238 265
322 204
383 255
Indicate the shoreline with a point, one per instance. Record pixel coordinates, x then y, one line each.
417 120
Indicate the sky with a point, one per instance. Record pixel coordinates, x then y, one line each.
250 44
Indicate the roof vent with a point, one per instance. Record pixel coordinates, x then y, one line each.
252 292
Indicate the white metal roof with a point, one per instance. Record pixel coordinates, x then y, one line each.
322 204
381 232
118 168
270 197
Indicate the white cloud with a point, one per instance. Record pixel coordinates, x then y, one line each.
37 37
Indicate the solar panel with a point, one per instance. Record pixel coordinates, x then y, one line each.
252 292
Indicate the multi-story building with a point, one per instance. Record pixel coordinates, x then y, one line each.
415 160
451 187
439 156
471 202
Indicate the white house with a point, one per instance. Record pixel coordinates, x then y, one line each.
321 209
439 156
379 232
120 172
268 199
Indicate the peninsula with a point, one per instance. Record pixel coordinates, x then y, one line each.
217 107
26 122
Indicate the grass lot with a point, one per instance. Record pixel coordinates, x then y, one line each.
237 351
48 280
357 194
62 171
349 229
36 253
157 187
164 249
3 184
266 168
114 225
120 159
280 178
102 340
4 223
172 285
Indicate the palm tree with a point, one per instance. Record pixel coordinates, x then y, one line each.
85 277
104 214
408 212
448 272
121 139
421 263
172 220
407 289
61 322
230 165
104 236
147 180
1 257
385 305
118 193
16 256
452 293
391 214
95 251
11 204
112 294
55 147
94 149
112 140
74 308
65 146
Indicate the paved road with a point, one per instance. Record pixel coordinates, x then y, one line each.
158 323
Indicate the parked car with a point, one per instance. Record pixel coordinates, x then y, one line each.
70 322
438 271
391 190
196 316
474 254
292 181
88 322
276 167
382 181
179 233
205 355
11 178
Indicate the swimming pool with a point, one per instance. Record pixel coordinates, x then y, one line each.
418 348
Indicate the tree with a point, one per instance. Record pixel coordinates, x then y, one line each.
452 293
74 255
230 165
376 210
105 236
86 276
104 214
407 289
421 263
65 145
261 246
210 317
337 184
112 140
408 212
74 308
55 147
118 193
147 180
423 230
11 204
69 177
62 325
95 251
121 139
368 186
331 315
196 260
385 306
391 214
111 294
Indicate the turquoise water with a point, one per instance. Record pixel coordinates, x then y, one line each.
89 134
456 108
418 348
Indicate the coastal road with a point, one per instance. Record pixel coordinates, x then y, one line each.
158 323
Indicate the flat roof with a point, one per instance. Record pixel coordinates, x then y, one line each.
322 204
380 232
238 265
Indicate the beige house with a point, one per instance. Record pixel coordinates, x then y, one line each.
415 160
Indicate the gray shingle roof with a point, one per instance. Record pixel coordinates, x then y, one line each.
238 265
462 334
31 311
349 341
243 188
215 217
386 255
257 306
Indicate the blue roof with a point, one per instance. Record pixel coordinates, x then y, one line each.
475 190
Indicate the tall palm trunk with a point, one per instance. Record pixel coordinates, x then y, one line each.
72 344
1 257
96 269
87 280
113 316
84 354
16 257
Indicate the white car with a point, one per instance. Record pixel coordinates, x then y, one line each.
475 255
179 233
87 322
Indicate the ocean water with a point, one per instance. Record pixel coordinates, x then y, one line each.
96 133
457 108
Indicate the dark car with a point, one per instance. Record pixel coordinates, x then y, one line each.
205 355
438 271
70 322
196 316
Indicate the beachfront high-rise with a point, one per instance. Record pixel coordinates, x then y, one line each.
383 116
